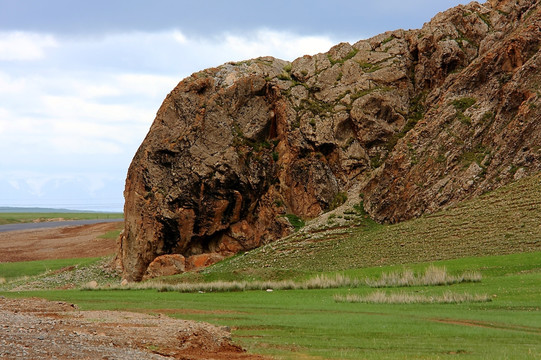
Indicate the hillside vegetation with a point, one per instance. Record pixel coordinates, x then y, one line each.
504 221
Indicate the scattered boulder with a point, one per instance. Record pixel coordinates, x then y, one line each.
165 265
92 284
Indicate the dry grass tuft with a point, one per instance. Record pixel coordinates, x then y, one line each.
381 297
2 280
433 276
317 282
329 282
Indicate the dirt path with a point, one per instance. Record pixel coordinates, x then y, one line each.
41 329
57 243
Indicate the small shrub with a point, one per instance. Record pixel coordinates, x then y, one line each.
476 154
390 38
376 161
295 221
488 116
485 18
275 156
349 55
464 103
440 159
359 208
329 282
466 120
284 76
339 199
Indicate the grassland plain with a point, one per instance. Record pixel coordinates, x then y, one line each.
497 234
290 324
21 217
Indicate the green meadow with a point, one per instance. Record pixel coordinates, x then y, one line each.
292 312
289 324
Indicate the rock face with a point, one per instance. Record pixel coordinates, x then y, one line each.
416 119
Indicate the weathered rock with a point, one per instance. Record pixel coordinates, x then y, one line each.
418 119
92 284
202 260
166 265
481 121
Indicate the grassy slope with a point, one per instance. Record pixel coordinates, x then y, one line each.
501 222
15 217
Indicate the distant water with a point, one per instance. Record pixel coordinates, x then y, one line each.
53 224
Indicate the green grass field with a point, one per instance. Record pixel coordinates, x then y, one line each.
12 271
497 234
291 324
15 217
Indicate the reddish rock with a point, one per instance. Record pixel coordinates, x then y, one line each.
166 265
417 119
202 260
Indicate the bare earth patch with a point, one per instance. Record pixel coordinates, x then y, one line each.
57 243
40 329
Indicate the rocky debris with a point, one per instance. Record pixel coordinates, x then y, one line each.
416 119
41 329
93 284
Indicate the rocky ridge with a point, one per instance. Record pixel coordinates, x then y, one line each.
408 121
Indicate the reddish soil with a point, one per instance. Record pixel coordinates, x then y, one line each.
41 329
57 243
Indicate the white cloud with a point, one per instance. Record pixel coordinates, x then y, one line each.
84 190
147 84
179 37
14 184
89 104
283 45
23 46
36 185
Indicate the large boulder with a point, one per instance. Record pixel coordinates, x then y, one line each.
416 119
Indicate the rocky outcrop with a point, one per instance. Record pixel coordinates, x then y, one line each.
480 126
416 119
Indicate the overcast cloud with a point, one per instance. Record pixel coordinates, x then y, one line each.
80 82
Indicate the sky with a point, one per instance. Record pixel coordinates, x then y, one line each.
81 81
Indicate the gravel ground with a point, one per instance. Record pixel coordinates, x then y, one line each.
40 329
